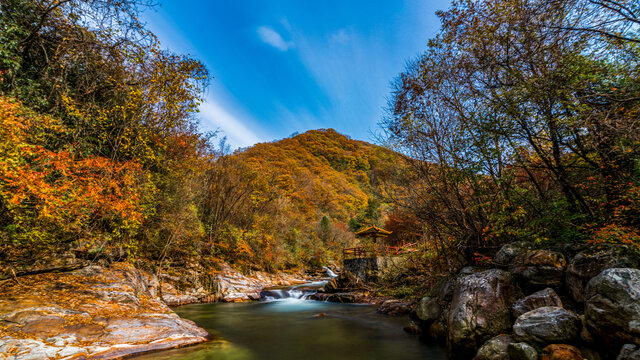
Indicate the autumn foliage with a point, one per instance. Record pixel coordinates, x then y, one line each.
295 202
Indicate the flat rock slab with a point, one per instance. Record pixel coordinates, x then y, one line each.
92 313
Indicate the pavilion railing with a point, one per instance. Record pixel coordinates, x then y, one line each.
379 250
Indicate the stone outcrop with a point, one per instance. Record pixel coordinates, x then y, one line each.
480 310
588 264
522 351
88 313
509 251
612 307
495 349
547 325
233 286
546 297
539 268
629 352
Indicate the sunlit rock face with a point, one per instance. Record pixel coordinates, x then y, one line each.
480 310
92 312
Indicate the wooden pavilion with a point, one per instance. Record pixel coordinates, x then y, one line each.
373 232
377 247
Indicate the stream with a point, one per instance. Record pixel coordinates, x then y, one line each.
283 325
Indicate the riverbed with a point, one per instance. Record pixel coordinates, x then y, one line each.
298 329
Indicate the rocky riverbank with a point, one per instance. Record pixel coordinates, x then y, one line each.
110 312
538 304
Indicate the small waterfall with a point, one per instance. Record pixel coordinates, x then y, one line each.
295 292
330 272
302 291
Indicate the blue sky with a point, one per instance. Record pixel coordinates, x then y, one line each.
288 66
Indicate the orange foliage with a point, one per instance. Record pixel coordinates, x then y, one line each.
43 188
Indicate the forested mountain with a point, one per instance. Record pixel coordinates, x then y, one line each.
296 201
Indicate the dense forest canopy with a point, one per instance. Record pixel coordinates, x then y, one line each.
518 122
521 119
101 156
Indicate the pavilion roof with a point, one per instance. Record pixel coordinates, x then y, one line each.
373 230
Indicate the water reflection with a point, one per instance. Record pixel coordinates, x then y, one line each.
299 329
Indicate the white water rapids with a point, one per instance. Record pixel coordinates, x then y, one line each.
301 292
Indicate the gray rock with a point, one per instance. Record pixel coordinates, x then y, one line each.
539 268
428 309
522 351
586 265
629 352
510 251
495 349
546 297
612 307
547 325
480 310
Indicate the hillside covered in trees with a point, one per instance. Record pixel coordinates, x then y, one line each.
296 202
101 157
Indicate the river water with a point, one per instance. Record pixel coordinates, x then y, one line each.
294 328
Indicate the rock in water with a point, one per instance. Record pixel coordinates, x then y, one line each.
495 349
612 307
546 297
561 352
412 328
480 310
545 325
395 307
539 268
522 351
428 310
586 265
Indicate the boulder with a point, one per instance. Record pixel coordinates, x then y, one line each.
545 325
587 264
612 307
480 310
495 349
629 352
561 352
509 251
428 310
539 268
522 351
546 297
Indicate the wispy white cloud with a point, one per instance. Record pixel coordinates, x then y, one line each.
273 38
340 36
235 129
